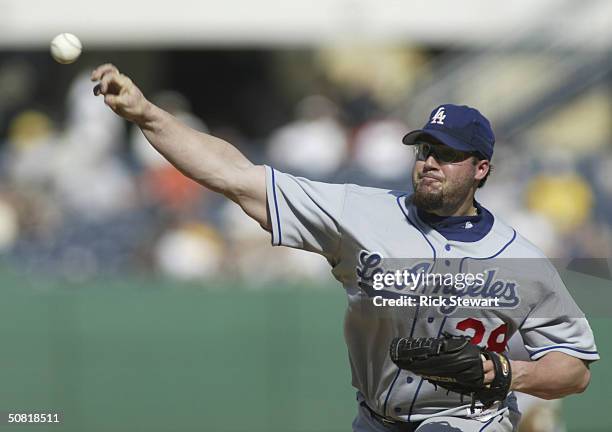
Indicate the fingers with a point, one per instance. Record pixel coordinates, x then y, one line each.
112 82
99 72
489 371
487 365
119 92
112 101
109 79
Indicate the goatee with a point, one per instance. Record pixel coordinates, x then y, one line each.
428 201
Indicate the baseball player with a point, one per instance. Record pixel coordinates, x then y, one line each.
424 357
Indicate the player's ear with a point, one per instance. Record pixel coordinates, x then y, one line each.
482 168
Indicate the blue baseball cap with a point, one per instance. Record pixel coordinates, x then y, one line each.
458 126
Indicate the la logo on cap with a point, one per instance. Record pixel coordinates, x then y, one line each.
439 116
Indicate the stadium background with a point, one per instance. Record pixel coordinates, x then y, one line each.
132 299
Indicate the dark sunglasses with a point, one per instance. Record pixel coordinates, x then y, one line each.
441 153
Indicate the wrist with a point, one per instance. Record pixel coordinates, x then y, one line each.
520 372
148 115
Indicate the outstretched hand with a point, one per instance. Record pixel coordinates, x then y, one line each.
120 93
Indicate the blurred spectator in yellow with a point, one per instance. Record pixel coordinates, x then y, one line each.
32 143
565 199
31 160
505 195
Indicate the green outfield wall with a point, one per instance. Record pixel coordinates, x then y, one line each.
139 355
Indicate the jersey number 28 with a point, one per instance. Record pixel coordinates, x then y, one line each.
497 338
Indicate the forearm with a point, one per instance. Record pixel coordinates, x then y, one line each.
210 161
553 376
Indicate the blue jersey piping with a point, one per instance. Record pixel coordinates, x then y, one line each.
280 237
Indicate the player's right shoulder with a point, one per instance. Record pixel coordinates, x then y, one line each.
372 197
368 191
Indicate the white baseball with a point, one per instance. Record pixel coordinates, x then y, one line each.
66 48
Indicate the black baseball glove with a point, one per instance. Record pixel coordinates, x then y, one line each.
451 362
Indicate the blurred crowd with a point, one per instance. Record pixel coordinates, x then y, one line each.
87 197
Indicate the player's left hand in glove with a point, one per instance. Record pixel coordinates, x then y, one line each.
453 363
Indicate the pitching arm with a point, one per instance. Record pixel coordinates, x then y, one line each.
212 162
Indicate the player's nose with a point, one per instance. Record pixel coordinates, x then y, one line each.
431 163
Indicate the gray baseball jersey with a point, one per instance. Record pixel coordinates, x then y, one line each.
364 232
